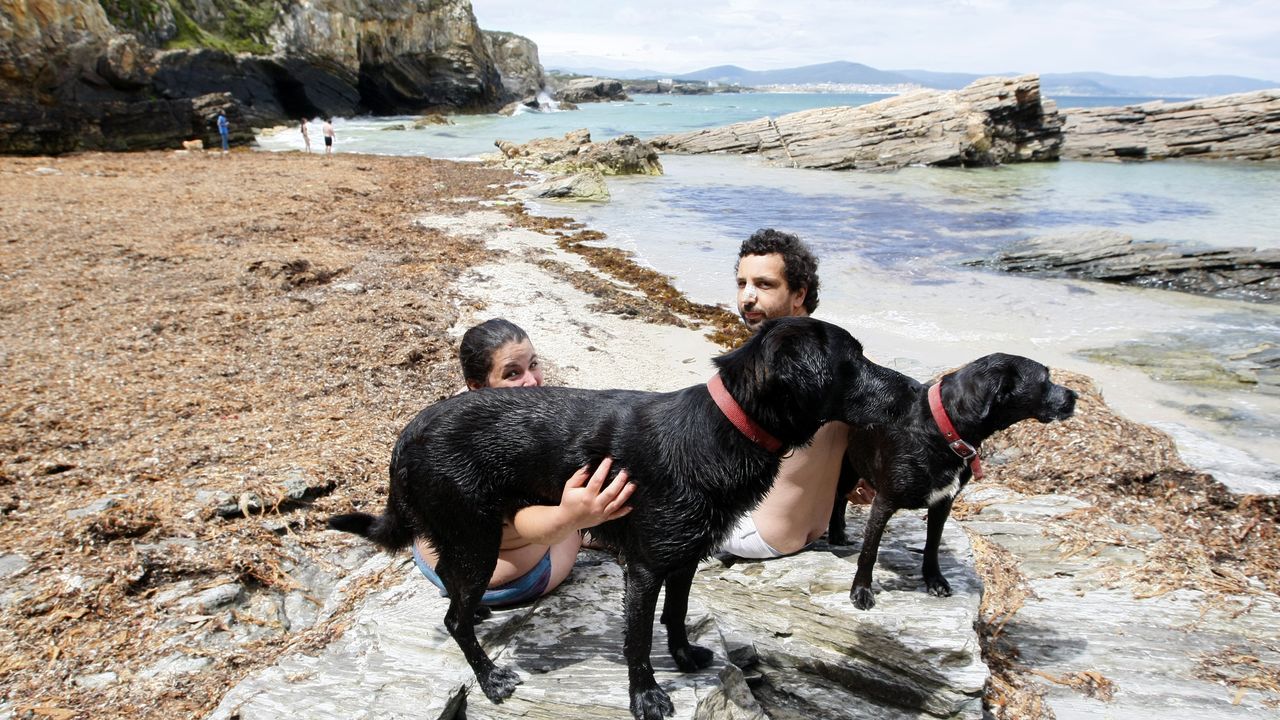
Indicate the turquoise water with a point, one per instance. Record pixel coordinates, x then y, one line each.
645 116
891 246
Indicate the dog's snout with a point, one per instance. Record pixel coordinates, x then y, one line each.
1065 405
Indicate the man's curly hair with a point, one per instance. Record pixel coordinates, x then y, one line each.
801 267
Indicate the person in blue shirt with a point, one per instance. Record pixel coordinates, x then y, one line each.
223 129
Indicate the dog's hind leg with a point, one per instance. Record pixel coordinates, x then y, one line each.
933 579
465 569
689 658
648 701
861 594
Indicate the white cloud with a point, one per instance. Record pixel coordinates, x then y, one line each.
1139 37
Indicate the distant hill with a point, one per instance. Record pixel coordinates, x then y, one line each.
832 72
1095 83
1105 85
629 74
1052 84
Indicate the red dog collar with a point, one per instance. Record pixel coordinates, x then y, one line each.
736 415
958 446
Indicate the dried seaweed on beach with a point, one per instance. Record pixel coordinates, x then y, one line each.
204 357
1131 473
652 291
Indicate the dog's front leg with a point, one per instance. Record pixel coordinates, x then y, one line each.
933 579
861 595
847 482
648 701
689 658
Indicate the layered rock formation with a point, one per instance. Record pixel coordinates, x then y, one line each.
77 76
1245 126
991 122
588 89
575 153
1235 273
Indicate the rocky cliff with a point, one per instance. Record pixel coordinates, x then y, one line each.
85 74
517 61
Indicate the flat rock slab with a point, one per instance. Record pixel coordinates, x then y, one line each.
1240 273
397 661
810 653
1088 614
992 121
807 651
1244 126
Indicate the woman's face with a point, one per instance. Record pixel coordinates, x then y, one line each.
515 364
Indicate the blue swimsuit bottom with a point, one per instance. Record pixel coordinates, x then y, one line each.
524 588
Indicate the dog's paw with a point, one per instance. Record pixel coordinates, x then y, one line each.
862 598
692 658
499 683
651 704
938 586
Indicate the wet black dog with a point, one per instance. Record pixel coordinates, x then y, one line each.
464 464
913 464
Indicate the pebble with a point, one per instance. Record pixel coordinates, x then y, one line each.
94 508
176 663
96 680
12 564
214 598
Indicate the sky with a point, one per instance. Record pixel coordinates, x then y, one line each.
1160 38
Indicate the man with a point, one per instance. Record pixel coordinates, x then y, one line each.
778 277
327 131
224 129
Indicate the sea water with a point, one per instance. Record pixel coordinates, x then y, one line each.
892 247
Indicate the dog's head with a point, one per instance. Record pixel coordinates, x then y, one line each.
797 373
996 391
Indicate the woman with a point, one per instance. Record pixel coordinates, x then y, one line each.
539 543
306 135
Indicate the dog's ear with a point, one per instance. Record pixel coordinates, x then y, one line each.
796 357
781 375
980 386
998 390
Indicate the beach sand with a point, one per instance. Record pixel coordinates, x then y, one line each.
185 335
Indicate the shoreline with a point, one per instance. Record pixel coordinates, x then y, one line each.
240 337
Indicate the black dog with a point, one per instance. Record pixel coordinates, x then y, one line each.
464 464
925 458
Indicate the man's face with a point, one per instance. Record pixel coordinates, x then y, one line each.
763 292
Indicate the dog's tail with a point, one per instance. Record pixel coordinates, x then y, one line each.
384 530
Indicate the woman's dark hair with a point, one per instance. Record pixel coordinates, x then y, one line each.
800 265
478 344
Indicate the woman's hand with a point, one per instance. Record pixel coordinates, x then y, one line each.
585 502
588 502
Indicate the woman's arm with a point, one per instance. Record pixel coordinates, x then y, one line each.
583 504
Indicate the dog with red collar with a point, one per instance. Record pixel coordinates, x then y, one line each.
927 455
